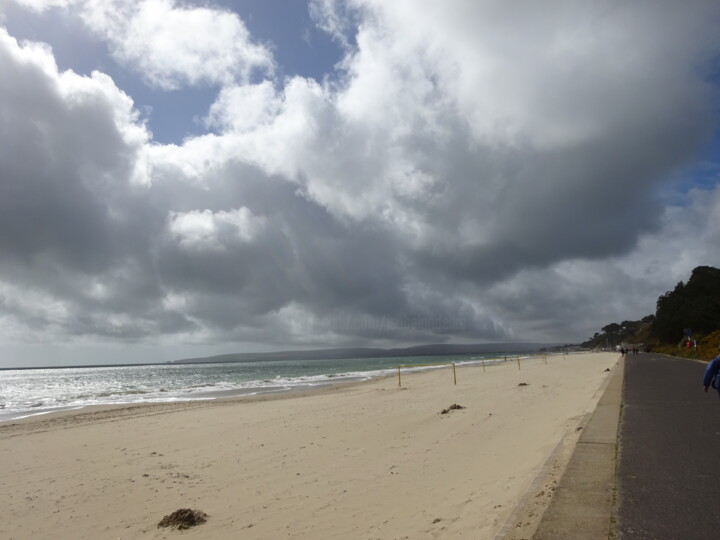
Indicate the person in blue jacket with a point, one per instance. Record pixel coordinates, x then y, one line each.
711 374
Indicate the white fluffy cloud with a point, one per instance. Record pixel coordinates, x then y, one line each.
469 173
172 44
206 230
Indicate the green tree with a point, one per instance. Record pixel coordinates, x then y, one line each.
612 328
694 305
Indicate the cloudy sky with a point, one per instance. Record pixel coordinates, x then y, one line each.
185 178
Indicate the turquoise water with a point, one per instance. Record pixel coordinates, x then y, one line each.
39 391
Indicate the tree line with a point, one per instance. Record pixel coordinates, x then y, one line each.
690 311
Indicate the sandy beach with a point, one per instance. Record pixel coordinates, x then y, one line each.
366 461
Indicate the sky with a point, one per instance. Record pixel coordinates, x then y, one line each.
188 178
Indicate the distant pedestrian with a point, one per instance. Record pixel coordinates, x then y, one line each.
711 377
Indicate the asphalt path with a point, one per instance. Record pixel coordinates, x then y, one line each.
668 468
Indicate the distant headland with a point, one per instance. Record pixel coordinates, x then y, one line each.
364 352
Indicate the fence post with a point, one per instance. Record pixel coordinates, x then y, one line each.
518 360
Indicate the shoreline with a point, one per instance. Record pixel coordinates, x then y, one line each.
243 388
357 460
91 413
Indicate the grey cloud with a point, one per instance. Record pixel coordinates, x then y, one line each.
490 240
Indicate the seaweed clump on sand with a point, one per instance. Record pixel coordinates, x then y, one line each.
453 407
184 518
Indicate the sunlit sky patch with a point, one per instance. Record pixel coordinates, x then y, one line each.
189 178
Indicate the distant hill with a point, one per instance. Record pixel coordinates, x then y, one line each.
336 354
626 332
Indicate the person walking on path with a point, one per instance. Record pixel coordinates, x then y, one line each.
711 374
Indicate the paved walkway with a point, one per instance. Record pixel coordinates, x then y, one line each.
583 501
662 478
668 471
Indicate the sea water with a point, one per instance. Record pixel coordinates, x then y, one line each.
30 392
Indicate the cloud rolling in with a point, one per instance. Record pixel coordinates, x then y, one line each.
467 172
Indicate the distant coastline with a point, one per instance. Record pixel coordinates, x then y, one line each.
338 354
362 352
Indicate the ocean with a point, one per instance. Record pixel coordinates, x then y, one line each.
32 392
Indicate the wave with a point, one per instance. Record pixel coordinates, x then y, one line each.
33 392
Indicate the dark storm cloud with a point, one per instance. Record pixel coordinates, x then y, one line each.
54 162
450 185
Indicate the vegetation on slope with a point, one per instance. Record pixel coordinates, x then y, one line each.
690 312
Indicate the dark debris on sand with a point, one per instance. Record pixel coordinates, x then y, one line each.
184 518
453 407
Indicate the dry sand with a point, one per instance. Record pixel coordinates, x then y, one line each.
361 462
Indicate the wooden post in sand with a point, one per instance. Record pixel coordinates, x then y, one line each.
518 359
483 363
399 377
454 376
